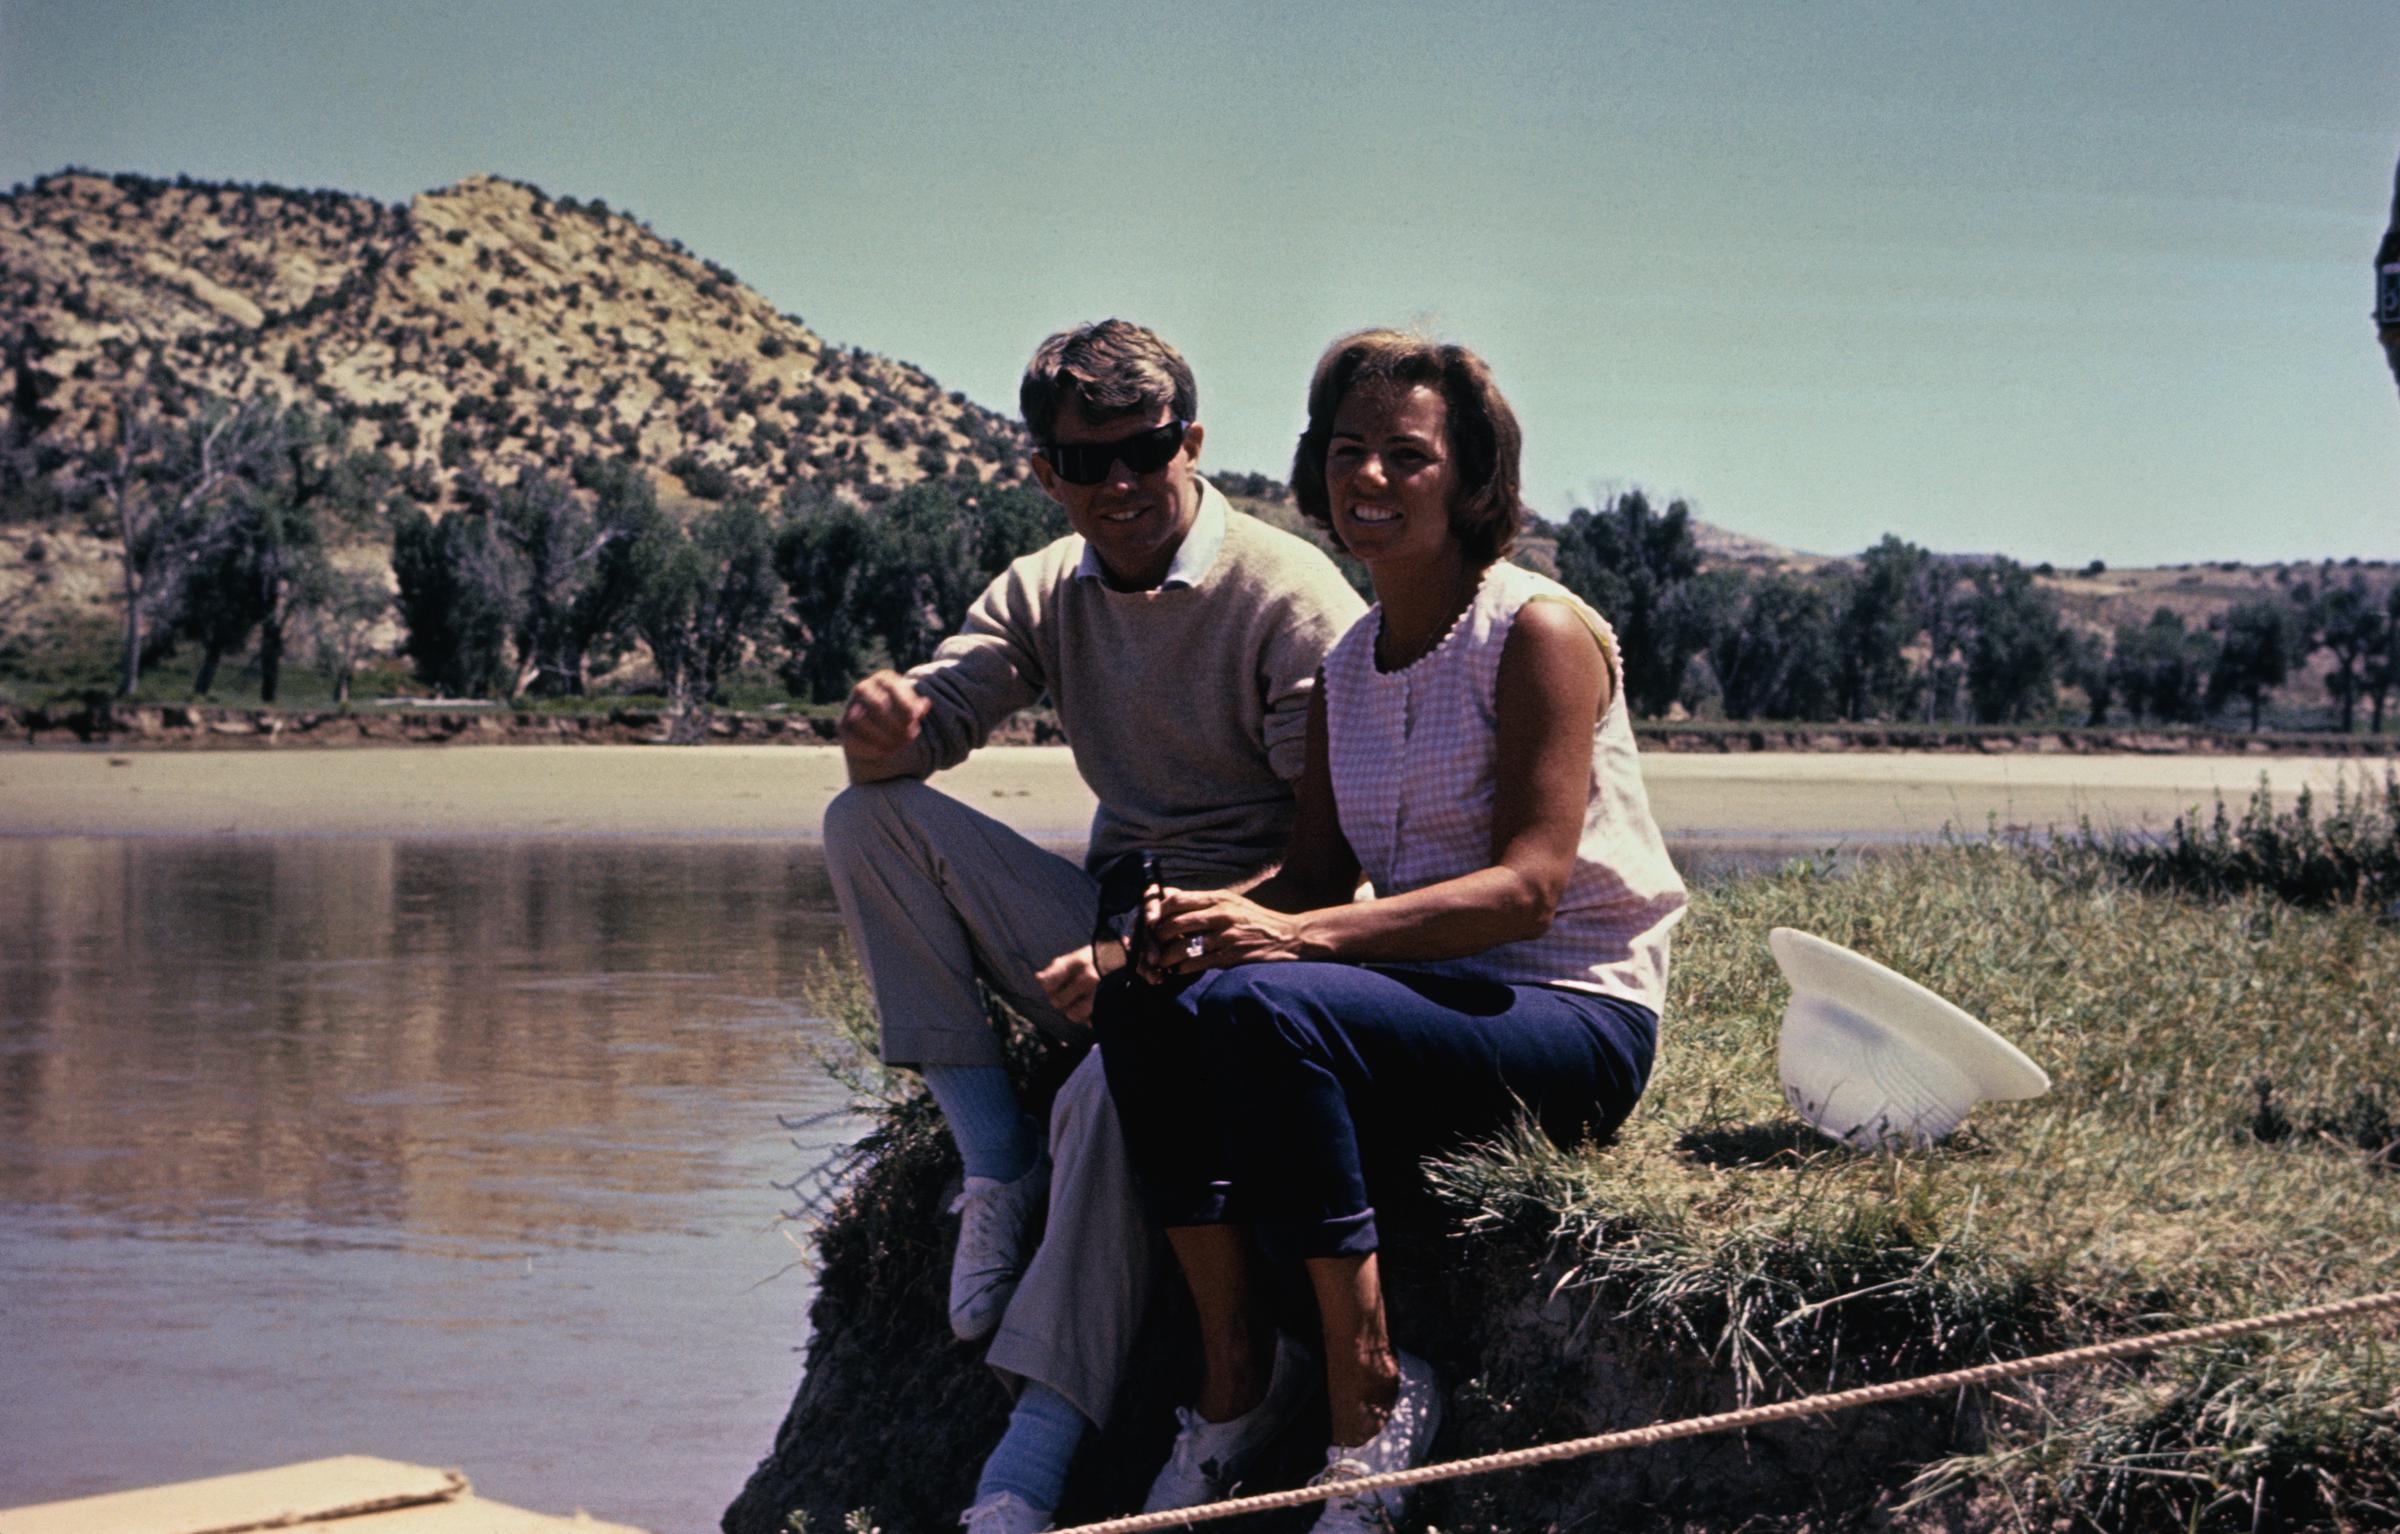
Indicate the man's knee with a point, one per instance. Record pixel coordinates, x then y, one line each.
868 819
1083 1115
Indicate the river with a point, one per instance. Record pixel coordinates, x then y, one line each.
457 1153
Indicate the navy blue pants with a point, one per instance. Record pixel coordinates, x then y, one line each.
1264 1095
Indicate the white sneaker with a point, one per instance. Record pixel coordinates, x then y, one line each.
1004 1512
1209 1458
1406 1438
991 1247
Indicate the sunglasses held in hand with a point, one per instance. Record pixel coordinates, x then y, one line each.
1145 452
1127 882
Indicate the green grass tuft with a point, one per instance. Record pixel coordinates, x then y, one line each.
2351 855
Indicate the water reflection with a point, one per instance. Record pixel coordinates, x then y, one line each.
452 1152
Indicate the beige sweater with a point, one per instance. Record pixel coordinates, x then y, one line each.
1186 708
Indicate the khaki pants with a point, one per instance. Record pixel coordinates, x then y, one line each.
935 896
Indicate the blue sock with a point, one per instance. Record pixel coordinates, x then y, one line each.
1031 1458
981 1108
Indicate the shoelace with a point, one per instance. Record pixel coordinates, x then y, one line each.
982 1210
1188 1427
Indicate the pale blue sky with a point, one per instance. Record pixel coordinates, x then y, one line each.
2062 280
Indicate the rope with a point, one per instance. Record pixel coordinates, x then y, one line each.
1752 1416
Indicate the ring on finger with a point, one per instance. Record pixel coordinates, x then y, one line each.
1194 946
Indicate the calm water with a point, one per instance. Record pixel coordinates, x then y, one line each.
456 1153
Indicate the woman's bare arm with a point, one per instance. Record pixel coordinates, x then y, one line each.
1553 685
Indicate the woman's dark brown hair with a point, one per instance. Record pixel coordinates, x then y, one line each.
1484 442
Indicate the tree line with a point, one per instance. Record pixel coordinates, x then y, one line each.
226 521
1905 634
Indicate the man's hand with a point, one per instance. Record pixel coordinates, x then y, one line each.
880 719
1071 981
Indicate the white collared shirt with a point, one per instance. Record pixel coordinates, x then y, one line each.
1199 549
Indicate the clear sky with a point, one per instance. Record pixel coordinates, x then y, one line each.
2063 280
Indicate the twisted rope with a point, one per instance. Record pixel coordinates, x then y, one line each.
1751 1416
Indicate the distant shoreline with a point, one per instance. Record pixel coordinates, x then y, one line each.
189 726
779 792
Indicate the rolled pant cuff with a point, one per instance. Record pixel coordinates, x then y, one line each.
915 1048
1341 1235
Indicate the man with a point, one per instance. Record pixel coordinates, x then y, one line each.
1178 641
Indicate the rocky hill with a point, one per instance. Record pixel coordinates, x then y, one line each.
487 326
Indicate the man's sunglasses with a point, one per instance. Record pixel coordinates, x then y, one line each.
1145 452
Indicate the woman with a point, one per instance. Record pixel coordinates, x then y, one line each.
1470 756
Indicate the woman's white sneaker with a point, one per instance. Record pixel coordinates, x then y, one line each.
1210 1458
1404 1442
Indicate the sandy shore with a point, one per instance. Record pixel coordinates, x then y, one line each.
779 792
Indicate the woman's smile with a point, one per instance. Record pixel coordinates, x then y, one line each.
1388 473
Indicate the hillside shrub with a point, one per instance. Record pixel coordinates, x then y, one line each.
704 480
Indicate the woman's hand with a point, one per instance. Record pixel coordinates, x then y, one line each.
1230 929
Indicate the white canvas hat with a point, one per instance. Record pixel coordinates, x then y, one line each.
1872 1058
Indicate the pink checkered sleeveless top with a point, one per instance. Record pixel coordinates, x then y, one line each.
1413 761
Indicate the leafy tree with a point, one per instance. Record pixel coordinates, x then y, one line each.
1010 522
1778 660
552 546
1943 595
705 598
513 591
898 579
939 552
2013 653
2160 670
930 571
157 489
343 608
1876 619
2085 665
1628 561
2352 626
2381 668
567 598
259 557
627 516
220 602
455 597
2258 644
827 552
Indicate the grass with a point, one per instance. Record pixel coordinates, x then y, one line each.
2141 1193
2218 1142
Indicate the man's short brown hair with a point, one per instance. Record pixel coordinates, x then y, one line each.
1484 442
1110 368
